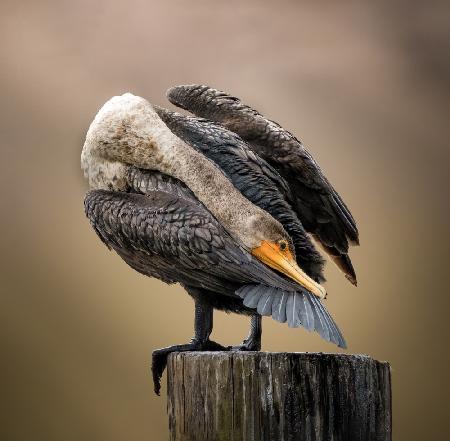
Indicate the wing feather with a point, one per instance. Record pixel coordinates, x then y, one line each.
166 233
318 205
252 176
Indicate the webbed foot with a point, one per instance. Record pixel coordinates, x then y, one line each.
253 341
159 357
248 345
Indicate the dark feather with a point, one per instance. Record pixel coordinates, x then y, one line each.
318 205
168 234
252 176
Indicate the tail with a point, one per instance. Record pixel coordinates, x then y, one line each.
295 308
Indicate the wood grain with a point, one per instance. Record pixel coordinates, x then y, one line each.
249 396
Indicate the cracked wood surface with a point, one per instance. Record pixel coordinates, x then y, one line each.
246 396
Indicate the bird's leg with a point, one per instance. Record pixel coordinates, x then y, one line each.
253 341
203 325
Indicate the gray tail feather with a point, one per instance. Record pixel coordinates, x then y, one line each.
295 308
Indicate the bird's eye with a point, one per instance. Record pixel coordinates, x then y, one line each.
283 245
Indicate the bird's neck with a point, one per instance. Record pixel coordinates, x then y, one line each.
128 131
209 184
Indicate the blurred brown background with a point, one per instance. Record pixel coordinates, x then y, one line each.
365 85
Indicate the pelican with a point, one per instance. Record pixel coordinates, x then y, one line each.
205 203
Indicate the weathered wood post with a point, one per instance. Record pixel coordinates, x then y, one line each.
258 396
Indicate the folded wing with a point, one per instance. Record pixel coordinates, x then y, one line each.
319 207
164 232
251 175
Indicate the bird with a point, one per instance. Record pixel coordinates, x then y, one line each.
191 200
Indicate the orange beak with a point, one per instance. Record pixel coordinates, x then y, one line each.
283 261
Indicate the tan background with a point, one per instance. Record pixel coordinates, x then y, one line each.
366 87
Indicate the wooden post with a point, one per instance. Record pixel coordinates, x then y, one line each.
258 396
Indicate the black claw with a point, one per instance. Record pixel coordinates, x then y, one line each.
247 346
159 363
160 356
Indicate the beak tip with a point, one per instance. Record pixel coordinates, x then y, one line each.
271 256
319 291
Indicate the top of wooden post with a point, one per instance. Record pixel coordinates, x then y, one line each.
278 396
